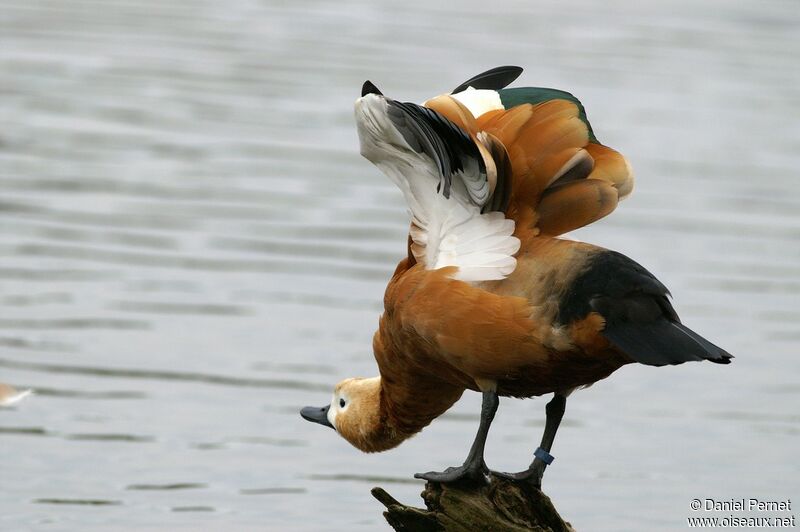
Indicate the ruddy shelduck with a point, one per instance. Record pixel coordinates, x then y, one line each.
489 298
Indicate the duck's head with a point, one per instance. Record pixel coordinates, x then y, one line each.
356 413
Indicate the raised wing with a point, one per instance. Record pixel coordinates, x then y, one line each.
451 182
450 147
487 164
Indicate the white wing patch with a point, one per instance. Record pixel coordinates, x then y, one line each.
444 232
451 232
480 245
479 101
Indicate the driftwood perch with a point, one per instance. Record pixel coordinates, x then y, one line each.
502 505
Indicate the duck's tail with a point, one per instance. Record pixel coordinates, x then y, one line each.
664 342
638 317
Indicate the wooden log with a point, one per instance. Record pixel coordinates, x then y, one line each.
501 505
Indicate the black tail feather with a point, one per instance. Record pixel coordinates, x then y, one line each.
663 342
714 353
639 319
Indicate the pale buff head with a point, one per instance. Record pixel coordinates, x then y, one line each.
356 413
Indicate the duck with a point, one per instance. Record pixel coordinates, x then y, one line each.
491 295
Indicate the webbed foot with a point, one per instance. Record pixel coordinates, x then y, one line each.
464 473
531 476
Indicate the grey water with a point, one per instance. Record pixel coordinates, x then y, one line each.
191 249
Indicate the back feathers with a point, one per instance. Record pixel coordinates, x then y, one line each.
562 178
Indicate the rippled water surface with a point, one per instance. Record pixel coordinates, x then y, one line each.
191 249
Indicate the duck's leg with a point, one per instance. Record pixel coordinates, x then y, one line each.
533 475
474 468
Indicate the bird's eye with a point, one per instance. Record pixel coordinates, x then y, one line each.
341 403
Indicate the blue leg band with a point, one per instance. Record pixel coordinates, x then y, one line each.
544 456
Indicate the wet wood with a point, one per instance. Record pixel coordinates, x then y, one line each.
501 505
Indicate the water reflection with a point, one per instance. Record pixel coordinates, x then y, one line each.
131 438
162 375
272 491
369 479
166 487
79 502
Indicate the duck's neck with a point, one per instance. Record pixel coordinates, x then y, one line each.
406 397
387 415
413 403
410 397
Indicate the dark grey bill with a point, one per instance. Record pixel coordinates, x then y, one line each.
317 415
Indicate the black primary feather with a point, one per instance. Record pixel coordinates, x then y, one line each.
369 88
427 131
640 320
495 79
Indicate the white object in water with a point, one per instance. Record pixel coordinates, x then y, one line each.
10 395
